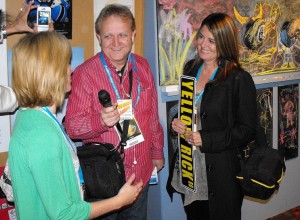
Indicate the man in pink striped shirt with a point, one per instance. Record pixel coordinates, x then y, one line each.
112 70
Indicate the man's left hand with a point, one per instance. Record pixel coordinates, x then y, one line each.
159 164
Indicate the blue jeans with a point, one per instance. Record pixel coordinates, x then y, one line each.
137 211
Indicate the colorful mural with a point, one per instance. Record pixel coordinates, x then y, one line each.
269 33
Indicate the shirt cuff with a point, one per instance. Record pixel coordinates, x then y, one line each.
97 124
157 154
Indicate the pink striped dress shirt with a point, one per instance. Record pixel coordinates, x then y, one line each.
82 120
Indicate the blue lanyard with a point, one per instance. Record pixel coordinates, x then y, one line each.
111 80
61 128
197 77
67 138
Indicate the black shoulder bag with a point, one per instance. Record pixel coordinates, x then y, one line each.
102 165
262 167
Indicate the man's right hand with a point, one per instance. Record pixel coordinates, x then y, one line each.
110 115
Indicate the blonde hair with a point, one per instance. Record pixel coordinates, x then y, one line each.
39 69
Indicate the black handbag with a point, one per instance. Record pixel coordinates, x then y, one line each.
102 167
262 169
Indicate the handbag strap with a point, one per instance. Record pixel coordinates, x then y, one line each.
124 134
244 171
123 141
124 137
126 122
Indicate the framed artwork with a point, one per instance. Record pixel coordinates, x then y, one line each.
264 100
268 32
288 113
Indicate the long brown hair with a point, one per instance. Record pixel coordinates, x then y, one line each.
224 31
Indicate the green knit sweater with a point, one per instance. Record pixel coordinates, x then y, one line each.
43 176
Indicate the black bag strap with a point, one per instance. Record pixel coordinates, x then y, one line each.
123 141
244 171
124 137
124 134
130 82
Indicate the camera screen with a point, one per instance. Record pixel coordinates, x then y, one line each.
43 17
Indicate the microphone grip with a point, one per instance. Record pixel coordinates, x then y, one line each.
104 98
107 105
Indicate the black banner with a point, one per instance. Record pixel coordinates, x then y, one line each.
186 114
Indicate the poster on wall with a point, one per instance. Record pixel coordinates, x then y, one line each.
288 102
268 32
264 100
61 15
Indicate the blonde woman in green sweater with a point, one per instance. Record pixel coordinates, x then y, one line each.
42 159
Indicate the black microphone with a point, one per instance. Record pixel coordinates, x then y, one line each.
104 99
